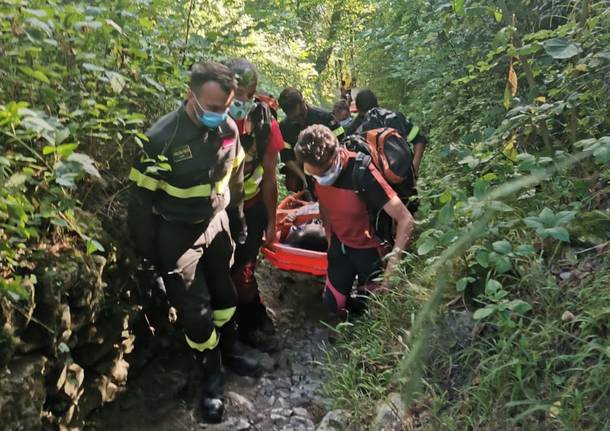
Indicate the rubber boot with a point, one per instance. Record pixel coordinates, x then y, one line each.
234 355
212 399
256 328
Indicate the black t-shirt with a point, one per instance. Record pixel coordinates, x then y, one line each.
290 131
354 125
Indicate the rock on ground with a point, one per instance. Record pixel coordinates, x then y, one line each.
22 393
164 395
391 415
335 420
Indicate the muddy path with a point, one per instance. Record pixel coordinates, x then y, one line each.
163 393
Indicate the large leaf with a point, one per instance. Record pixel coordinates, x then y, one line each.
525 250
86 162
426 246
482 258
528 49
501 263
534 222
482 313
564 217
117 81
561 48
463 283
36 74
519 306
503 247
38 24
559 233
547 217
36 123
492 286
458 6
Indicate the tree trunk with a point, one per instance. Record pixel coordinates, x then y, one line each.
324 55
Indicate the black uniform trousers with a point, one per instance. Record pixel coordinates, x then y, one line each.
196 272
246 254
344 265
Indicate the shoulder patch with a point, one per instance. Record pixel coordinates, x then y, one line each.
227 142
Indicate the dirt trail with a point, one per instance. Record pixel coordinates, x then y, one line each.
163 395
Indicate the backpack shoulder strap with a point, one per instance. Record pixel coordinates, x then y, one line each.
361 165
261 118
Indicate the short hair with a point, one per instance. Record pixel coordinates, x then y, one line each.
366 100
290 98
316 145
206 71
341 105
245 72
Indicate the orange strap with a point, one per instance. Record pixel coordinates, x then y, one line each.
270 101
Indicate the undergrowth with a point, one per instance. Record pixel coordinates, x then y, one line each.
499 318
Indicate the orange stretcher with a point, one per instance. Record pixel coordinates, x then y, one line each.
294 210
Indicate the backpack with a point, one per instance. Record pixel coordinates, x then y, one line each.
393 158
260 117
268 100
379 117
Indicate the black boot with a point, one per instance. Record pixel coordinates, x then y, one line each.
256 327
212 399
234 355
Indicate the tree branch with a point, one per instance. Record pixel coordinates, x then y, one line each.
188 29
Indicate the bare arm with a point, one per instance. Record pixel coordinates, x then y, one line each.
269 193
235 210
405 224
419 149
296 169
325 223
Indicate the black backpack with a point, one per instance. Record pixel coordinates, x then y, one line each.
261 117
379 117
393 158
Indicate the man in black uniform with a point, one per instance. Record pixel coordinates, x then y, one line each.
185 208
299 115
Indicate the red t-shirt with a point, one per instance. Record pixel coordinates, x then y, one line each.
276 141
347 210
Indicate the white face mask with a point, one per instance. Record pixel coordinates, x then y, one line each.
331 175
346 122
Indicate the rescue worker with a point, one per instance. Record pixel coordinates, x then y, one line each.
354 250
342 114
299 115
262 141
346 92
367 100
185 206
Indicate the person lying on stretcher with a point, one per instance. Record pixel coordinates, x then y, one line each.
300 224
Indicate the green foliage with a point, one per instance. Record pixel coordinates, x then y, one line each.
550 224
514 185
81 82
517 115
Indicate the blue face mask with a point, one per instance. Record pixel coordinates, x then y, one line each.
330 176
210 119
240 109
